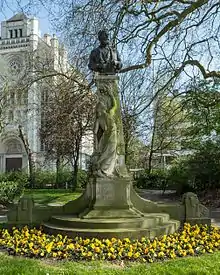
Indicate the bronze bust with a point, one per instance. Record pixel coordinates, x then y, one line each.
104 59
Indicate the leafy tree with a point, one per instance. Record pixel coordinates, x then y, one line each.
202 103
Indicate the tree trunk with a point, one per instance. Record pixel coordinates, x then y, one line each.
126 152
57 172
75 165
151 149
75 175
29 154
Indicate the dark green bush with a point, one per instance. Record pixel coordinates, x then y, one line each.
9 190
198 172
178 178
44 178
64 176
82 178
154 180
16 176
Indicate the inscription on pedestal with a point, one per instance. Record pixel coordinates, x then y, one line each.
105 191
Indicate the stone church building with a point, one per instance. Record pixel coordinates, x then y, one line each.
20 37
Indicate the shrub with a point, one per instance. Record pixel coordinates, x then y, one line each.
9 190
197 172
178 178
43 178
16 176
82 178
64 176
154 179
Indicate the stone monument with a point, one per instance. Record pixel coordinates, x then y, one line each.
109 206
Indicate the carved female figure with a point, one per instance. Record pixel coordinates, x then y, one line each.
105 133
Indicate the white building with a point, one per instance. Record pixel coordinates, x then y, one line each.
20 39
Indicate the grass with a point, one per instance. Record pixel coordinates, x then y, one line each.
203 265
55 196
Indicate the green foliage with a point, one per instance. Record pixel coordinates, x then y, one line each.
178 178
63 176
16 176
45 179
155 179
9 190
82 178
200 171
202 104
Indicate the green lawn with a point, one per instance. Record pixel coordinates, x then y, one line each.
45 196
208 264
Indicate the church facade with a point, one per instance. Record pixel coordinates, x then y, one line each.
20 37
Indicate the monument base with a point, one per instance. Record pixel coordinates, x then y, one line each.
106 210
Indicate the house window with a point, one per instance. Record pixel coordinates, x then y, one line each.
16 33
10 33
20 32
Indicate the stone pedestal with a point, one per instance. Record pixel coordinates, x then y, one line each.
111 199
108 209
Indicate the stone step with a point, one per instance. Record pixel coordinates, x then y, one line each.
133 233
161 217
74 222
149 220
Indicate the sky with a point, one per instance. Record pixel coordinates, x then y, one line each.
11 8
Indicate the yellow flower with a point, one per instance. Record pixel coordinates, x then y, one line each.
160 254
191 251
89 254
112 249
97 249
136 255
54 254
127 240
85 242
113 240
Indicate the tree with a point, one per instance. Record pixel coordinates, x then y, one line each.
134 94
202 103
68 114
177 40
176 33
29 155
169 120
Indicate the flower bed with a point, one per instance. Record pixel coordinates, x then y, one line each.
192 240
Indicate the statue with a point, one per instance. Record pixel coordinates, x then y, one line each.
108 157
105 134
105 58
